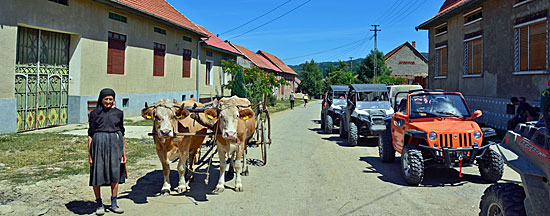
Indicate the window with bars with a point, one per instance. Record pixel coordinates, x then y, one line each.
186 63
208 79
530 47
441 30
160 31
188 39
117 17
473 56
441 61
158 59
116 53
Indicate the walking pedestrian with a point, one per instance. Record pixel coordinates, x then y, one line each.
306 97
291 100
106 149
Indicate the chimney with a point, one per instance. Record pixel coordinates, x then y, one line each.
414 44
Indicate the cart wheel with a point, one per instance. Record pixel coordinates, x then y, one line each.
263 144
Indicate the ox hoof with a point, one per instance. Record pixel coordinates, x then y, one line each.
239 188
244 173
219 189
165 192
182 189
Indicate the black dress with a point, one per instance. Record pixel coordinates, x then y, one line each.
107 131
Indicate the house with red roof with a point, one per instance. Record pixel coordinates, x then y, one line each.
490 50
58 55
269 64
406 62
211 79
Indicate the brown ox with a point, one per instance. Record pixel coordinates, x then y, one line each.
236 122
169 118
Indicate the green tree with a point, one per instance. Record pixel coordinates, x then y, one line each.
366 68
312 78
256 81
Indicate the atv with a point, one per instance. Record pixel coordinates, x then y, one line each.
367 106
437 129
333 107
526 150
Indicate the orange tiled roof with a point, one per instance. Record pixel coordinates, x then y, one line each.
258 60
217 42
162 9
285 68
447 6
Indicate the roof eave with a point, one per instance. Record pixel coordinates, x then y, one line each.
145 14
467 5
219 49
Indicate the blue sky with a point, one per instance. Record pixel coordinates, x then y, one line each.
318 25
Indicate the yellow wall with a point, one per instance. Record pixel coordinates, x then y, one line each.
215 89
8 43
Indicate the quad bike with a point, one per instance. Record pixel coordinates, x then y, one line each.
526 150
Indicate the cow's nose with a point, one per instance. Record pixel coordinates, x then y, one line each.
165 132
230 135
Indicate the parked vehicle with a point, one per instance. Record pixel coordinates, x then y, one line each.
526 150
437 129
367 106
393 90
333 106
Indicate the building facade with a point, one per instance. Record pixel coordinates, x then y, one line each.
53 66
286 73
490 51
406 62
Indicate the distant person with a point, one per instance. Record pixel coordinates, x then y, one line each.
524 113
292 100
306 97
106 151
544 96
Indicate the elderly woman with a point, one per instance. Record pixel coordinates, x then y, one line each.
106 148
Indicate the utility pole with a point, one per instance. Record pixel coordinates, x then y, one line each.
376 30
351 64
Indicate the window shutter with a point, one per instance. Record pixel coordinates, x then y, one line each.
186 63
537 46
158 59
466 59
477 57
516 50
444 61
524 47
436 69
116 52
208 71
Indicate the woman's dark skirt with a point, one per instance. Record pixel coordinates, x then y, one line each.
106 151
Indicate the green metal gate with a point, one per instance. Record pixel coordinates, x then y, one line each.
41 78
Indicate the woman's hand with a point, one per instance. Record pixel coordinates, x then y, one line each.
124 159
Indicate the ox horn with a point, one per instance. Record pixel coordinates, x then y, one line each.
146 104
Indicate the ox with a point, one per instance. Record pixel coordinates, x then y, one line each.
169 118
236 123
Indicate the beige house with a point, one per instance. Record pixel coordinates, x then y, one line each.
406 62
490 50
58 55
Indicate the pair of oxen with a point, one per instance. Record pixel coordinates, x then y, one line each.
230 118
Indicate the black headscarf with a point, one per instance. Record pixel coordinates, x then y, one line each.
102 94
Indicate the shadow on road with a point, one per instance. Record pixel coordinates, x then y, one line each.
362 142
433 177
81 207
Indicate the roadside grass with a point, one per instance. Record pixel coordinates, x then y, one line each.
42 156
143 122
285 104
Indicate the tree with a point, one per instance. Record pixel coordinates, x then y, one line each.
312 78
366 69
254 81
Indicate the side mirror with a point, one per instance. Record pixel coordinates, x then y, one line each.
477 114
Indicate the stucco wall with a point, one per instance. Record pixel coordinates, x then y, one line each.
215 89
8 43
407 55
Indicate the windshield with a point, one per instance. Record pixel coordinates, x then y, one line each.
373 105
437 105
339 95
372 96
339 102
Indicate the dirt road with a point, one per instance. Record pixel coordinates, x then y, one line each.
308 173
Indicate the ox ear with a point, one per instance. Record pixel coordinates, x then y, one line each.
211 114
246 114
147 113
181 112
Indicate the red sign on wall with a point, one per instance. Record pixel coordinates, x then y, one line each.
407 62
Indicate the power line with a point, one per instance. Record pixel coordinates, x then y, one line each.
257 17
408 14
385 14
271 20
328 50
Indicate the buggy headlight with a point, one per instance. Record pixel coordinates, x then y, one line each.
433 136
477 134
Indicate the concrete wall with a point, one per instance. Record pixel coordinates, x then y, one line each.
490 91
88 24
407 55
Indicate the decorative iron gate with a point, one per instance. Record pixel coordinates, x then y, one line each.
41 78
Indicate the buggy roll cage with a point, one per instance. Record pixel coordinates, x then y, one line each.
410 92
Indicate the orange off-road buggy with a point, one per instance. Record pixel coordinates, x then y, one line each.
436 128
